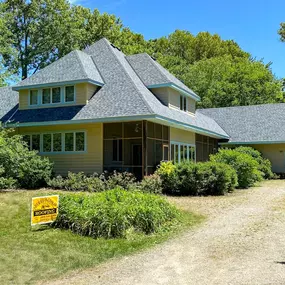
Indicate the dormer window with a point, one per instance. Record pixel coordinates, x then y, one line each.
56 95
183 103
69 94
34 97
53 95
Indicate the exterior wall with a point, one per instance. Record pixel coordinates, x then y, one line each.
90 161
171 98
275 153
182 136
162 94
83 93
174 101
204 147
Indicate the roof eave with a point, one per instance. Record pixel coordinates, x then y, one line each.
176 87
191 128
251 142
61 83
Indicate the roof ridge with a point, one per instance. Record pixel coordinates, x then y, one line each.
246 106
155 65
126 73
82 66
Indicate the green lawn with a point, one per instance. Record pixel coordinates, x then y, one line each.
29 254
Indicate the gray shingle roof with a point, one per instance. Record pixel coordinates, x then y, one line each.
153 74
249 124
8 102
122 95
75 66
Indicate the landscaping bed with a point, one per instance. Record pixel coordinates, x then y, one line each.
30 254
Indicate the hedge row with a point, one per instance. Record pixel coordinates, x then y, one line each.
203 178
241 167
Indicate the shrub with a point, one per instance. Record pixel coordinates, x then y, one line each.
115 179
203 178
22 165
6 183
245 166
264 165
112 213
151 184
215 178
168 174
78 182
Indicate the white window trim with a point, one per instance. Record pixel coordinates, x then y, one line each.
179 150
62 97
62 142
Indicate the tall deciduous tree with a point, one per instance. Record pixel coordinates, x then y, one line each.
226 81
42 31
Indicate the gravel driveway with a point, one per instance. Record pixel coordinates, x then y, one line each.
242 242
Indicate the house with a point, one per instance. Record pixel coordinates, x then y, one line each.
99 109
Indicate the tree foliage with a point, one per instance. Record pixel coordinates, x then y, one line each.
35 33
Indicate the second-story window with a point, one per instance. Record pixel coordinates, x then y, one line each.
46 96
56 95
34 97
69 94
53 95
183 103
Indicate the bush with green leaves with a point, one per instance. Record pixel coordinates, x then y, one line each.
77 182
245 165
264 165
151 184
203 178
115 179
6 183
111 214
28 169
167 172
93 183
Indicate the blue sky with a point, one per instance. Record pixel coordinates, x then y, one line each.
253 24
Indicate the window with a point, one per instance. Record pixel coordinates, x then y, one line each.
35 142
56 95
46 96
47 143
69 142
53 142
117 150
57 142
183 103
182 151
52 96
79 141
165 152
69 94
33 97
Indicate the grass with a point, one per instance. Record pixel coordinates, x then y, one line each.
30 254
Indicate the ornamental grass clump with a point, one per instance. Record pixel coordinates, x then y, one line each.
111 214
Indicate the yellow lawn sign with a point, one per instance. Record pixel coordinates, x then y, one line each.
44 209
